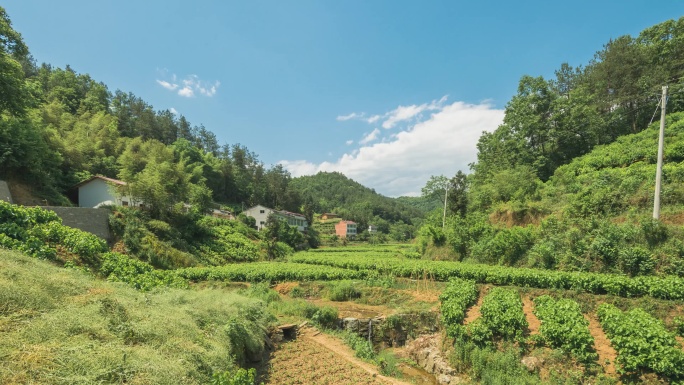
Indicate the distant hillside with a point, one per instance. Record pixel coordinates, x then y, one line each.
423 204
334 192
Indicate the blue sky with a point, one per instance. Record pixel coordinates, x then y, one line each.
387 92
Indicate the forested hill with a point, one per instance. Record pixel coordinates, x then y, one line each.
334 192
567 180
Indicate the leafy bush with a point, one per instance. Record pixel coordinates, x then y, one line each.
361 346
456 298
564 327
636 261
667 287
502 313
343 291
642 342
326 317
239 376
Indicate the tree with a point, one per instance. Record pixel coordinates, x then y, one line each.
14 97
436 186
458 199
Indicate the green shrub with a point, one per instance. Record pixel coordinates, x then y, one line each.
361 346
238 376
343 291
326 317
636 261
502 313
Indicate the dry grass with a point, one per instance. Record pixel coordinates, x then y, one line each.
60 326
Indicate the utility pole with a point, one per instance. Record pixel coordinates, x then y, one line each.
659 168
446 194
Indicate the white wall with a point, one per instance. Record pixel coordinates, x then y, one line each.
96 192
256 213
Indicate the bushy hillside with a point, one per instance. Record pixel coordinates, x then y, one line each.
619 178
593 214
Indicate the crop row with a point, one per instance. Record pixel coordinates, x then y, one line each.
269 271
669 287
642 342
455 300
564 327
502 314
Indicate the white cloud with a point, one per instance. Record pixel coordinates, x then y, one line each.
370 137
191 85
441 143
404 113
167 85
187 92
353 115
373 119
349 142
173 111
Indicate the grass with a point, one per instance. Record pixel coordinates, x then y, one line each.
62 326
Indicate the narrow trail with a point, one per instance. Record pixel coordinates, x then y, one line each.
345 352
532 320
474 312
604 349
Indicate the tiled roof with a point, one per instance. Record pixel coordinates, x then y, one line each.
104 178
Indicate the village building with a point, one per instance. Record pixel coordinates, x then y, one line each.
100 191
346 229
261 213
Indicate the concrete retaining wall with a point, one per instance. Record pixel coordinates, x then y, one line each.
94 221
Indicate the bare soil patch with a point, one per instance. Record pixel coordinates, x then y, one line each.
532 320
284 288
24 195
318 358
474 312
606 353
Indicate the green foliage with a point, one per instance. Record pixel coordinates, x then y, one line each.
102 332
455 300
334 192
667 287
268 272
642 342
362 347
502 313
142 276
326 317
238 376
343 291
488 365
564 327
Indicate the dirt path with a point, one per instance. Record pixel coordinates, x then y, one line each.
604 349
474 312
532 320
346 353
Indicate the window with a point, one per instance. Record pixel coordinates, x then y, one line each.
262 222
261 211
124 203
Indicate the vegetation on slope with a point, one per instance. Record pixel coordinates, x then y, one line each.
62 326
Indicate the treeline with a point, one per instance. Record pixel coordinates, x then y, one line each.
335 193
57 127
566 182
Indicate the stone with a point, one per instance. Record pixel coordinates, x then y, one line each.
532 363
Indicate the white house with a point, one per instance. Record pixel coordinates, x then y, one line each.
100 190
260 214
